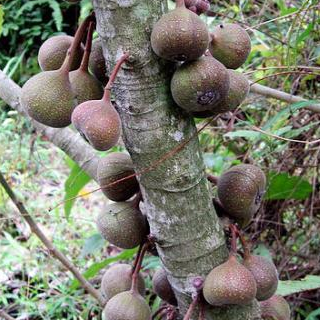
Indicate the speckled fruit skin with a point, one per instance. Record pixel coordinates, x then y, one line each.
162 287
265 274
115 166
275 308
127 306
230 45
85 86
122 225
117 279
48 98
53 52
230 283
240 191
180 35
98 122
238 91
200 85
97 63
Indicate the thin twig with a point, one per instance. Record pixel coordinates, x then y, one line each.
282 96
5 316
56 253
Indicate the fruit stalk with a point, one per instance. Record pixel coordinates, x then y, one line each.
113 75
233 230
134 286
85 59
191 307
245 245
212 179
180 4
76 42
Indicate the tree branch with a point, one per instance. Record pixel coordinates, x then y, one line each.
56 253
5 316
66 139
280 95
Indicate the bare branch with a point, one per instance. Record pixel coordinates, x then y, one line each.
280 95
66 139
53 251
5 316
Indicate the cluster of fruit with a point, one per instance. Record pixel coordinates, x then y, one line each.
66 91
205 84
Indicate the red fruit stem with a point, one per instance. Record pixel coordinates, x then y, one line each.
85 59
160 312
191 308
245 245
201 312
76 43
134 284
136 259
213 179
233 230
113 75
180 4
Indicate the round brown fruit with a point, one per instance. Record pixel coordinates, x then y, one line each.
118 278
230 45
113 167
122 225
200 86
180 35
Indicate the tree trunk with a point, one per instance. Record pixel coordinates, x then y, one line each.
176 194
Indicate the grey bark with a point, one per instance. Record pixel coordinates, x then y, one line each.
66 139
177 197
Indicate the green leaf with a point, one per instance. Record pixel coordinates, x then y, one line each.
92 244
283 186
288 287
313 315
73 185
305 34
1 18
262 250
96 267
287 112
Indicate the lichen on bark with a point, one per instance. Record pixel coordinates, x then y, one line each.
176 194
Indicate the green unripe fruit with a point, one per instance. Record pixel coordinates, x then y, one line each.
53 51
122 225
117 279
265 274
240 191
113 167
162 287
230 283
200 85
48 98
230 45
127 306
275 308
180 35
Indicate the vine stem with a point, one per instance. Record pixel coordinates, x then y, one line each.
52 250
113 75
85 59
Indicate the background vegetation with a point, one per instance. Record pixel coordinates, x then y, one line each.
286 55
